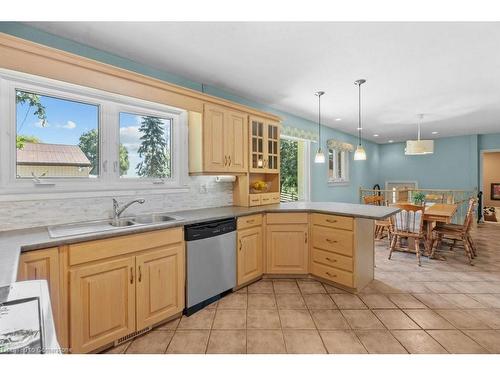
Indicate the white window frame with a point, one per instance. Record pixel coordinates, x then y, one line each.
108 182
306 189
345 157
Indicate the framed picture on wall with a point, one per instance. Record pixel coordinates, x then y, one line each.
495 191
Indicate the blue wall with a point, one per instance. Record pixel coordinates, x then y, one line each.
454 164
362 173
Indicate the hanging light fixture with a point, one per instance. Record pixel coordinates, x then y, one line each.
420 146
360 153
320 156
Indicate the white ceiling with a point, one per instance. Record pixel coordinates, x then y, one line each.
448 71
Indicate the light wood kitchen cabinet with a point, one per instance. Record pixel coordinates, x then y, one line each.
264 146
102 303
43 265
287 248
160 285
218 141
250 249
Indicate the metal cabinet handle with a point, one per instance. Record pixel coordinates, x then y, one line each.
241 244
225 160
329 274
140 274
131 275
305 236
331 260
229 157
329 240
331 220
250 221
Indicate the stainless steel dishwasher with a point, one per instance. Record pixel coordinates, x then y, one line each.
211 262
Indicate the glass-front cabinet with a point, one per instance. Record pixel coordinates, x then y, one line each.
264 150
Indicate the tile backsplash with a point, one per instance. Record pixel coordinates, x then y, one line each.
203 192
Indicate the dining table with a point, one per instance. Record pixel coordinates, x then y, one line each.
437 213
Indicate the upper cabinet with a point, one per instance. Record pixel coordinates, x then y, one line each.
218 140
264 145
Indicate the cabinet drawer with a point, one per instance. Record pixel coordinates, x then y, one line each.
249 221
270 198
332 259
333 274
254 200
334 221
110 247
334 240
287 218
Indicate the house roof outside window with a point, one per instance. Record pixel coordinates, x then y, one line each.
52 154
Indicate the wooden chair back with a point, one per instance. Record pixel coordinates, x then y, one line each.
410 220
375 200
469 215
437 198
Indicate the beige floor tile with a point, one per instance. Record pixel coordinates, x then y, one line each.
230 319
285 286
189 342
227 342
406 301
307 341
395 319
263 319
418 342
329 319
487 338
377 301
261 301
265 342
261 286
311 287
120 349
489 300
290 301
440 287
342 342
200 320
296 319
169 326
242 290
456 342
428 319
435 301
462 319
463 301
362 319
348 301
319 301
379 341
233 301
332 289
491 317
154 342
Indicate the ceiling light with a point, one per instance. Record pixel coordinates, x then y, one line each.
375 135
320 156
390 141
435 133
420 146
360 153
338 119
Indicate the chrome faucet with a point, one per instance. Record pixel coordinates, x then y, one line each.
118 210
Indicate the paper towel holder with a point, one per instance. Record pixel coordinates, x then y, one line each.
225 178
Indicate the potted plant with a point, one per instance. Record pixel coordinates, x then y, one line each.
419 198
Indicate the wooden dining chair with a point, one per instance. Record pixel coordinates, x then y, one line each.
435 198
457 232
381 226
408 224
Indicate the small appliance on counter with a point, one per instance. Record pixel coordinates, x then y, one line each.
211 262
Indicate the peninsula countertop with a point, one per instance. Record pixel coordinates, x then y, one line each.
12 243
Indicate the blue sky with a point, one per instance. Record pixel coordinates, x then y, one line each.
66 120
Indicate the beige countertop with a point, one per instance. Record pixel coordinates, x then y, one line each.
12 243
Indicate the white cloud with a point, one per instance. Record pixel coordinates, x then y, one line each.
70 125
130 135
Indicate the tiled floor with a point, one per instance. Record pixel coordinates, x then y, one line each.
441 307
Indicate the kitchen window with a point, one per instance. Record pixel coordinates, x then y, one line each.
338 166
60 137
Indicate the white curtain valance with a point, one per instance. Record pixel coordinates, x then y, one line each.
338 145
299 133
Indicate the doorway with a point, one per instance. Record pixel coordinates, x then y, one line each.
295 169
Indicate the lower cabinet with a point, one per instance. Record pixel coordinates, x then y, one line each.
249 254
114 297
287 248
160 285
102 303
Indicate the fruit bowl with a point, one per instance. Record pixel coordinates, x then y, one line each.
260 187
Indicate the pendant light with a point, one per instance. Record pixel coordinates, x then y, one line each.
420 146
320 156
360 153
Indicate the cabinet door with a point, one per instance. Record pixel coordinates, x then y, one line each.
249 254
236 141
102 303
272 148
43 265
256 131
214 154
160 285
287 248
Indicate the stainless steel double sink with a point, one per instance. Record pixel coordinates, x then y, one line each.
86 227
